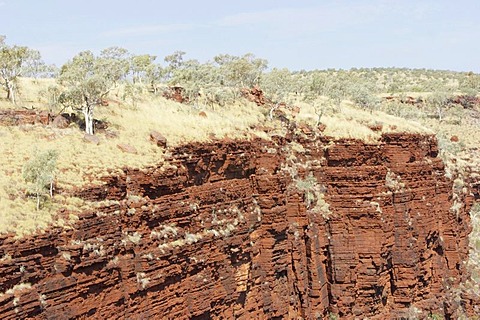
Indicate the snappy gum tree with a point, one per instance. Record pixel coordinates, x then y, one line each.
88 79
39 172
15 61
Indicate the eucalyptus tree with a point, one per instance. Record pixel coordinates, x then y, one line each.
329 84
39 173
141 65
16 61
117 60
198 79
88 79
363 95
277 84
174 62
154 75
241 71
439 100
470 84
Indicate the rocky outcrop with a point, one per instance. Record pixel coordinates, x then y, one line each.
175 93
305 228
10 117
255 94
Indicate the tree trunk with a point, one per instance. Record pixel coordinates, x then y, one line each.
10 92
88 113
272 110
440 114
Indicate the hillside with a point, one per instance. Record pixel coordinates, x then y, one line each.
352 200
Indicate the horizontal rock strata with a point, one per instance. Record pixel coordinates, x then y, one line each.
306 228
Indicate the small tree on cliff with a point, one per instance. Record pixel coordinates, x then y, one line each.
88 80
39 172
15 62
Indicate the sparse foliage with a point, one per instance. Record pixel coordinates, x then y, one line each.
363 97
15 62
52 94
174 61
88 79
314 195
470 84
439 101
39 172
117 61
240 72
277 85
141 65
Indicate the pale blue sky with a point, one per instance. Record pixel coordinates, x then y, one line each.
297 34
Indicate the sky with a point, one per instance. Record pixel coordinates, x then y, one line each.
293 34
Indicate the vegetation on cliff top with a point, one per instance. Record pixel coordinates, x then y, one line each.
121 98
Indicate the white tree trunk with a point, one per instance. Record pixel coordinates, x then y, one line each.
10 92
440 114
88 113
12 95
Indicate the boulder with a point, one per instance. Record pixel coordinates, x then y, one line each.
91 139
60 122
110 134
127 148
158 139
377 127
322 127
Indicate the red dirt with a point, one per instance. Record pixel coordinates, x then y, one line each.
222 233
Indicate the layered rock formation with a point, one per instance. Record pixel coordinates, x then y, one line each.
285 229
12 117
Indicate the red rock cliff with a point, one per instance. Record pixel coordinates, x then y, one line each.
281 230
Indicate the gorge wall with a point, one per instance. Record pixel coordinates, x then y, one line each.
297 227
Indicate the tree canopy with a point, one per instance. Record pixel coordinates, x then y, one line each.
39 172
89 78
16 61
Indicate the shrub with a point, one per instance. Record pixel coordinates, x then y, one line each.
314 195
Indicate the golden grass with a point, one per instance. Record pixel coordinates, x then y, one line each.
351 122
182 123
30 93
81 163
